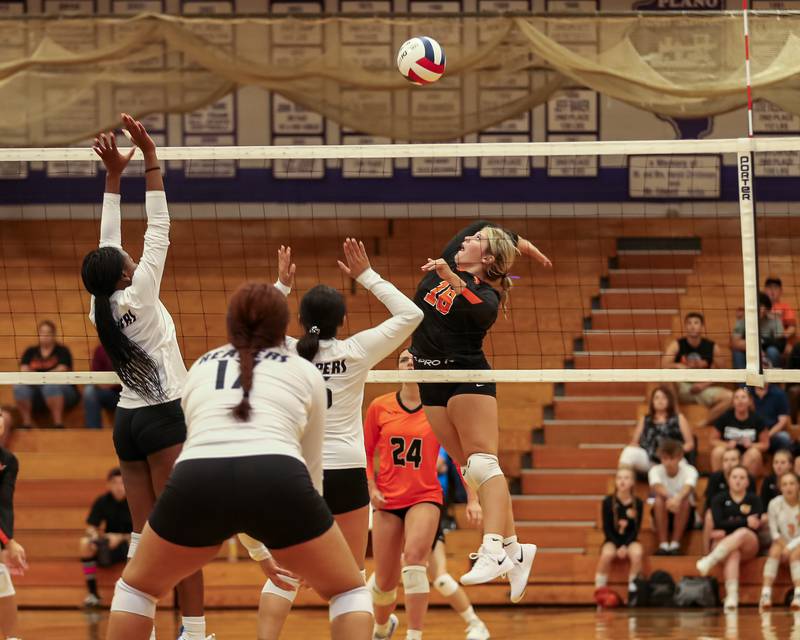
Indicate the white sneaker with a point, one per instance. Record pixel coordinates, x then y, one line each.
518 576
477 631
731 603
393 622
795 605
765 603
91 601
704 565
213 636
487 567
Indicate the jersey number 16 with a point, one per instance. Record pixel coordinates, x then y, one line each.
441 297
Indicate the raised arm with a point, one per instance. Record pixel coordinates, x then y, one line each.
115 162
525 247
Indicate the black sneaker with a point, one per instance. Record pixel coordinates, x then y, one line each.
662 552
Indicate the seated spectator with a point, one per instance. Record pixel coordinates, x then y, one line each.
784 516
737 518
673 482
622 520
693 351
718 484
48 355
771 335
662 422
782 463
783 311
97 397
108 534
741 428
772 404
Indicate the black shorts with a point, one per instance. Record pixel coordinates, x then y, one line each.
438 394
268 497
403 512
345 490
144 431
689 522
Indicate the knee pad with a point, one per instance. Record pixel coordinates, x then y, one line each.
771 567
415 579
257 550
6 586
355 600
272 589
382 598
794 570
133 544
446 585
131 600
480 468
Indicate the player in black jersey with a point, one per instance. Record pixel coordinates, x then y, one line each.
460 299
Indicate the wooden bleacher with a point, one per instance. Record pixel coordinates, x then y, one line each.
560 442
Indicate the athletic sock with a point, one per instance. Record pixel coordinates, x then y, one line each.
382 630
664 546
413 634
512 547
632 582
90 574
766 592
194 628
493 543
732 589
674 545
600 580
468 615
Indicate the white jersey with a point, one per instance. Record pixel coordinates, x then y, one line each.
137 309
784 522
344 365
288 409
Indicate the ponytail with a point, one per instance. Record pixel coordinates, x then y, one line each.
505 287
322 312
247 359
308 346
504 251
100 272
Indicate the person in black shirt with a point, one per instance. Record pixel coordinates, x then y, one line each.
13 556
460 299
744 429
693 351
622 520
47 355
718 483
737 518
108 534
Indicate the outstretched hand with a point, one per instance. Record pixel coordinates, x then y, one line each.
286 268
138 134
440 266
356 256
105 146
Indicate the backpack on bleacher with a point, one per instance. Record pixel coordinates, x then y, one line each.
694 591
661 589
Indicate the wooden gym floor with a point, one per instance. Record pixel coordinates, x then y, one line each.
504 623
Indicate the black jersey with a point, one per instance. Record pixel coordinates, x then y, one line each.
621 522
454 326
9 467
769 490
730 515
718 484
703 351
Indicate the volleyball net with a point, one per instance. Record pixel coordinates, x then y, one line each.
640 234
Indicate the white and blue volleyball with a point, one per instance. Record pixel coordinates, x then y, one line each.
421 60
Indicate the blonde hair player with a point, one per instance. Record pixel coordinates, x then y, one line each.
407 498
12 559
784 527
344 365
460 299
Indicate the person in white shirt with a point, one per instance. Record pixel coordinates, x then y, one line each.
252 463
784 527
139 336
673 482
344 365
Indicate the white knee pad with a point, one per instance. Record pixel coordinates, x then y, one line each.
358 599
131 600
382 598
271 588
446 585
480 468
6 586
794 570
133 544
256 549
415 579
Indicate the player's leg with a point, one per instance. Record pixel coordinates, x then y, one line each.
387 547
8 604
421 524
446 433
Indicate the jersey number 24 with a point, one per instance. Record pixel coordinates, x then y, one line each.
406 452
441 297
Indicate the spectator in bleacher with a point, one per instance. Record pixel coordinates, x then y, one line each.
770 330
693 351
673 482
47 355
784 516
622 521
782 463
717 484
97 397
772 404
741 428
662 422
773 287
108 534
737 518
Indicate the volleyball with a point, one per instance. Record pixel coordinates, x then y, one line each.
421 60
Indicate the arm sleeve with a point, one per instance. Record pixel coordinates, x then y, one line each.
691 476
371 434
772 513
110 221
96 516
146 284
609 526
282 288
8 484
377 343
452 247
314 432
654 475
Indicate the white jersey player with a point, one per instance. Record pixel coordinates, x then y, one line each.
784 527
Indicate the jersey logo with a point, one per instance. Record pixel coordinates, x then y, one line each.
127 320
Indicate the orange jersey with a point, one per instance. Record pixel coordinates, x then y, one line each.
408 453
